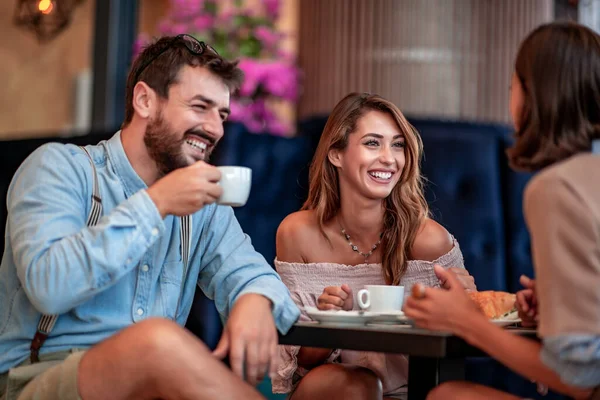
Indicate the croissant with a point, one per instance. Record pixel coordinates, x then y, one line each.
494 304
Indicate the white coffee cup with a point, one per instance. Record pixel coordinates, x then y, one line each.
381 298
236 183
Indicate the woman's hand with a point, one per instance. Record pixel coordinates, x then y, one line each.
447 309
526 303
336 298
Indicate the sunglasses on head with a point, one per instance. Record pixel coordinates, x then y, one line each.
193 45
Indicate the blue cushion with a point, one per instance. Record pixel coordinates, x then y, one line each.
518 252
462 166
279 180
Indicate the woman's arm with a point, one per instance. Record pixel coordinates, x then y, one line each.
517 353
452 310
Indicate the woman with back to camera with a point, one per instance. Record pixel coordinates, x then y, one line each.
555 105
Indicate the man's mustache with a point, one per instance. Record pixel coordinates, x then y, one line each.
203 135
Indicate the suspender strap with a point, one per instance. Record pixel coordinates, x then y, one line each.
47 322
185 238
96 210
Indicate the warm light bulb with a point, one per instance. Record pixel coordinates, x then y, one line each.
45 6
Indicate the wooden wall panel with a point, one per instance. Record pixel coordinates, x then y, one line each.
434 58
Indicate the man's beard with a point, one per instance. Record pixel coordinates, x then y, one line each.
166 151
164 147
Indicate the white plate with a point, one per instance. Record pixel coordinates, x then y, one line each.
355 317
505 321
339 317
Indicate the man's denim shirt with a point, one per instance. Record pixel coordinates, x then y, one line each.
123 270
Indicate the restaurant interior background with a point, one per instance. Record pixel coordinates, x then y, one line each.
445 63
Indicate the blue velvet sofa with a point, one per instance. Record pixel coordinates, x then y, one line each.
470 189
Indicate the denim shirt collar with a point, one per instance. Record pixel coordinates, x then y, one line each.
132 182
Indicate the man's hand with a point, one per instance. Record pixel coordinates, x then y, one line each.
463 277
250 339
186 190
336 298
526 303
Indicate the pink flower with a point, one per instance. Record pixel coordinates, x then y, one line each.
186 8
268 37
164 27
277 128
140 43
253 75
239 111
272 76
171 28
247 114
178 29
272 8
203 22
225 18
281 80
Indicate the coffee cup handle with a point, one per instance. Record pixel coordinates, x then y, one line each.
359 298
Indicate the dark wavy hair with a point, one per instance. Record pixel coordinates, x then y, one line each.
558 66
167 56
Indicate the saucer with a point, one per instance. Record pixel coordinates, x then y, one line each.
339 316
390 317
355 317
505 321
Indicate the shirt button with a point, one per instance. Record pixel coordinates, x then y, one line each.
154 231
145 268
140 311
128 261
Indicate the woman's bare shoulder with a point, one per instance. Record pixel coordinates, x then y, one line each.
296 233
432 241
299 223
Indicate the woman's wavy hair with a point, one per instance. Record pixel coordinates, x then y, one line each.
558 66
405 207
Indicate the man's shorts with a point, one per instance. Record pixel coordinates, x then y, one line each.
53 378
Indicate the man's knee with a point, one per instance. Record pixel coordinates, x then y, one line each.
159 337
145 352
338 380
362 383
448 390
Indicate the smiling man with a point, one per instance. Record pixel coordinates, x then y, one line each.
106 246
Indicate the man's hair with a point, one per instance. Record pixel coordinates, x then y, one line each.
159 63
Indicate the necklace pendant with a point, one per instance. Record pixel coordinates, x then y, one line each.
355 247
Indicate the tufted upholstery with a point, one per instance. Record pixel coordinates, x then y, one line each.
518 253
464 193
279 176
